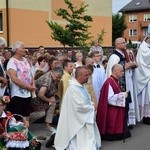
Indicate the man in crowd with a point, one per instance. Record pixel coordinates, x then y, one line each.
98 75
120 56
68 67
76 127
96 47
41 50
70 55
111 113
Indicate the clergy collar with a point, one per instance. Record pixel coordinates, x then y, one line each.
114 78
119 51
96 65
75 82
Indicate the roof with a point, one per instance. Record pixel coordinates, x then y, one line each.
136 5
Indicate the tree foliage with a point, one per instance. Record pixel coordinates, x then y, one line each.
132 45
118 26
75 32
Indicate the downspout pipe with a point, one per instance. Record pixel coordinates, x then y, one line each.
7 22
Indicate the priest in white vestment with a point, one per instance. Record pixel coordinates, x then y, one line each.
77 129
142 78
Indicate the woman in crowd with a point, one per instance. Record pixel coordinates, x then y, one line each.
46 87
21 81
79 60
40 67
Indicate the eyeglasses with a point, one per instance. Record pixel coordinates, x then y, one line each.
1 105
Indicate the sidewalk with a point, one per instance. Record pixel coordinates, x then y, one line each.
139 140
39 129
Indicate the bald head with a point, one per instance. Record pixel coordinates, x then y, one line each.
79 71
81 74
117 71
115 67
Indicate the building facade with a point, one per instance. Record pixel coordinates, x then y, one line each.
25 20
137 17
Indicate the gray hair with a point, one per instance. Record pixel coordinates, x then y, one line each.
2 41
58 70
59 55
118 40
16 45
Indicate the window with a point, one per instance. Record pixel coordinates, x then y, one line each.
1 22
145 31
138 3
146 17
132 18
132 32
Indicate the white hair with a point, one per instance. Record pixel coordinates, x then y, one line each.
16 45
2 41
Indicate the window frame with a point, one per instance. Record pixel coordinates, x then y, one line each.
132 32
146 17
132 18
145 31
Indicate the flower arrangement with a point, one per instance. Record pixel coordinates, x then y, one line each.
5 99
17 136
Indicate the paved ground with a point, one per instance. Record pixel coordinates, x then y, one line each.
140 139
39 129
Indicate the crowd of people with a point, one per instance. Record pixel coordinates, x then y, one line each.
95 97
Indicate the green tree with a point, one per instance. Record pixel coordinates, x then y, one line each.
131 45
59 33
101 36
118 26
75 32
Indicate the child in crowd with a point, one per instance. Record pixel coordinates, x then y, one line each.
9 123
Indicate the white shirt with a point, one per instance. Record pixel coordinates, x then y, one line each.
23 70
98 78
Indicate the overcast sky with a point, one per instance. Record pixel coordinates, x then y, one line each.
118 4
